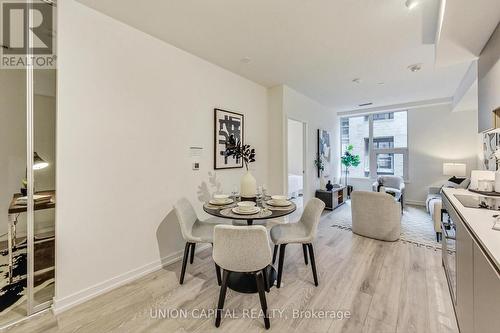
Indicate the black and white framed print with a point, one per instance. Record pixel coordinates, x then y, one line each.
226 123
325 150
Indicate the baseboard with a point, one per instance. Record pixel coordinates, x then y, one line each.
68 302
415 202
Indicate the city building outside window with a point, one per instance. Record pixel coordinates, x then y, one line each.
381 140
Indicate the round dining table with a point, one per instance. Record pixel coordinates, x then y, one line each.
245 282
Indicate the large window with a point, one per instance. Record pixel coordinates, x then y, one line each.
380 140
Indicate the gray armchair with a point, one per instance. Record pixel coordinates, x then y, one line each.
393 185
375 215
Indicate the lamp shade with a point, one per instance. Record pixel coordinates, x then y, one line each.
38 162
454 169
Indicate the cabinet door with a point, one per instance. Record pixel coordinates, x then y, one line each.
464 270
486 294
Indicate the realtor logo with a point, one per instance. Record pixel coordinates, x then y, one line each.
22 21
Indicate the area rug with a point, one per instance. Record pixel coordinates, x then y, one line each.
417 226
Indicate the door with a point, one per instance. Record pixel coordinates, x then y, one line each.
27 163
295 159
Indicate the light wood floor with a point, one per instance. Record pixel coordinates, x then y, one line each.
387 287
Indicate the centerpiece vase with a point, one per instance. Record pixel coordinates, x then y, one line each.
248 187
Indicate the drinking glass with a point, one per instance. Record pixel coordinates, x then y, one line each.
259 194
234 192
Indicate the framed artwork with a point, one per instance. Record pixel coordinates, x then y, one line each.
491 142
325 151
226 123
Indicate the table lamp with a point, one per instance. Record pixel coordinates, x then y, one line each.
38 164
456 170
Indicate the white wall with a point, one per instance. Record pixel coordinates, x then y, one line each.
129 108
435 135
287 103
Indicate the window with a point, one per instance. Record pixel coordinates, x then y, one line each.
381 116
354 130
381 142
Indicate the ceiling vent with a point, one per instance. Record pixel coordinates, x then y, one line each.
365 104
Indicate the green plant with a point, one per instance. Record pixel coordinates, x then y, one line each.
24 183
237 150
349 160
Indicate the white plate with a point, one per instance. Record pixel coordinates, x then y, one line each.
276 204
250 212
221 203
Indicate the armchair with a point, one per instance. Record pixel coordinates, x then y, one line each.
375 215
394 185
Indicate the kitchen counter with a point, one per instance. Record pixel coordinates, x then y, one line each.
479 222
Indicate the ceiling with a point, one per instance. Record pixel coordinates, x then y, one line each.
316 46
465 29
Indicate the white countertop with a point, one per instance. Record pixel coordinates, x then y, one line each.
480 222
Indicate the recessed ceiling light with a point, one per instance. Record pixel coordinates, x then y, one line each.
245 60
415 67
356 80
410 4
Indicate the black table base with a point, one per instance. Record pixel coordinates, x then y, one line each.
245 282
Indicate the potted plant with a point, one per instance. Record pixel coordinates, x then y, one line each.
349 160
24 187
320 165
238 150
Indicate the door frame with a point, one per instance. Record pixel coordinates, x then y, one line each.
305 168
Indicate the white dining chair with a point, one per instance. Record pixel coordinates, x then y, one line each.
194 231
242 249
302 232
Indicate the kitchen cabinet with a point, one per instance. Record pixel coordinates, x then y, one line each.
475 282
486 294
464 303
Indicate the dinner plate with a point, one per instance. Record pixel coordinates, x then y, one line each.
236 210
221 203
276 204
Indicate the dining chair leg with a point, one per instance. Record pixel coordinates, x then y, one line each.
217 272
275 252
262 296
222 297
184 262
313 264
280 264
193 245
304 249
266 281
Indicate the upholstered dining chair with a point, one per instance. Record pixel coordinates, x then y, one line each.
194 231
303 232
243 249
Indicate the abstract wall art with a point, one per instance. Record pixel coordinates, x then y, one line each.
226 123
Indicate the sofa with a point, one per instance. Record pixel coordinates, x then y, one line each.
434 203
375 215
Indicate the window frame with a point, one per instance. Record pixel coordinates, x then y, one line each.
373 152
